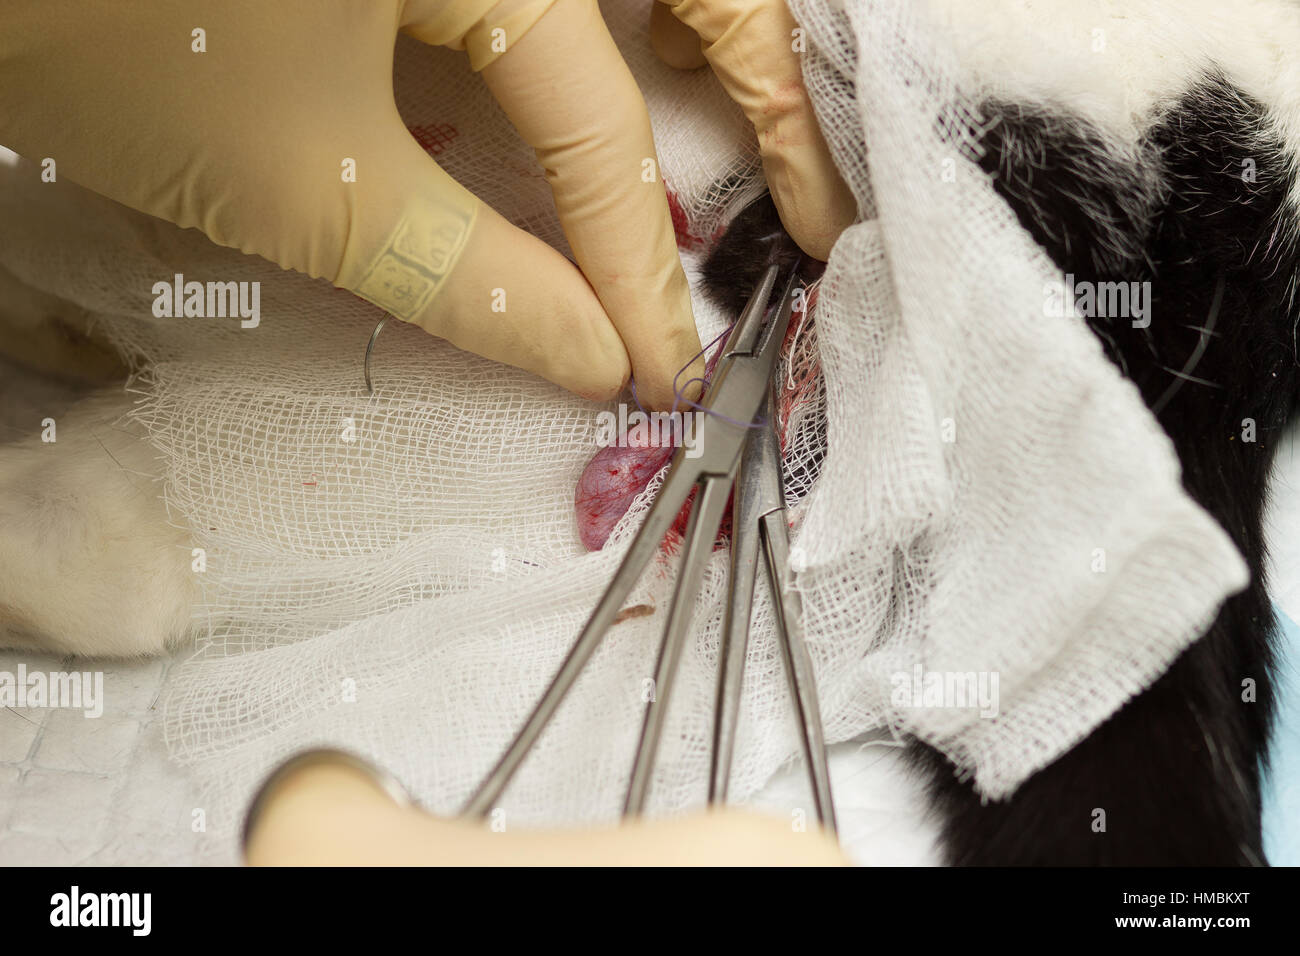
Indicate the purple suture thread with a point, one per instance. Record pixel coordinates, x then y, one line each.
709 367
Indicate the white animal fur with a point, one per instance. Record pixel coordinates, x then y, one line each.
1044 52
89 563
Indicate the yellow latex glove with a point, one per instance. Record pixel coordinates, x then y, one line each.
751 46
244 130
331 814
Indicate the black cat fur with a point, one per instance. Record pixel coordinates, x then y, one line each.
1177 770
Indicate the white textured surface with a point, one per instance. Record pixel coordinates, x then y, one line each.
77 790
103 791
100 791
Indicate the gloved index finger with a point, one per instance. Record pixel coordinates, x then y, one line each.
567 90
485 29
754 48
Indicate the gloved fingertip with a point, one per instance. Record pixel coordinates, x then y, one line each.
604 388
813 243
815 222
675 43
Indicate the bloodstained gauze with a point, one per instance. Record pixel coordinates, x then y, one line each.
636 610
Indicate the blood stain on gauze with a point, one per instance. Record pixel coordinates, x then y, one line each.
635 611
802 366
686 237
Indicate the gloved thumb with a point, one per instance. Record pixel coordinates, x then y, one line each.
673 41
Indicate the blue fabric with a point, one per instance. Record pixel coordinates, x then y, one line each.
1282 786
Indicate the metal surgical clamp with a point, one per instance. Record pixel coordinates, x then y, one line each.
733 451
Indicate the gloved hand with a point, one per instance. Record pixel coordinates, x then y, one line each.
750 45
323 812
247 139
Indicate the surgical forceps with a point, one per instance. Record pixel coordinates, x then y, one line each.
734 451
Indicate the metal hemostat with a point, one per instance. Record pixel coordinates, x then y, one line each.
738 447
